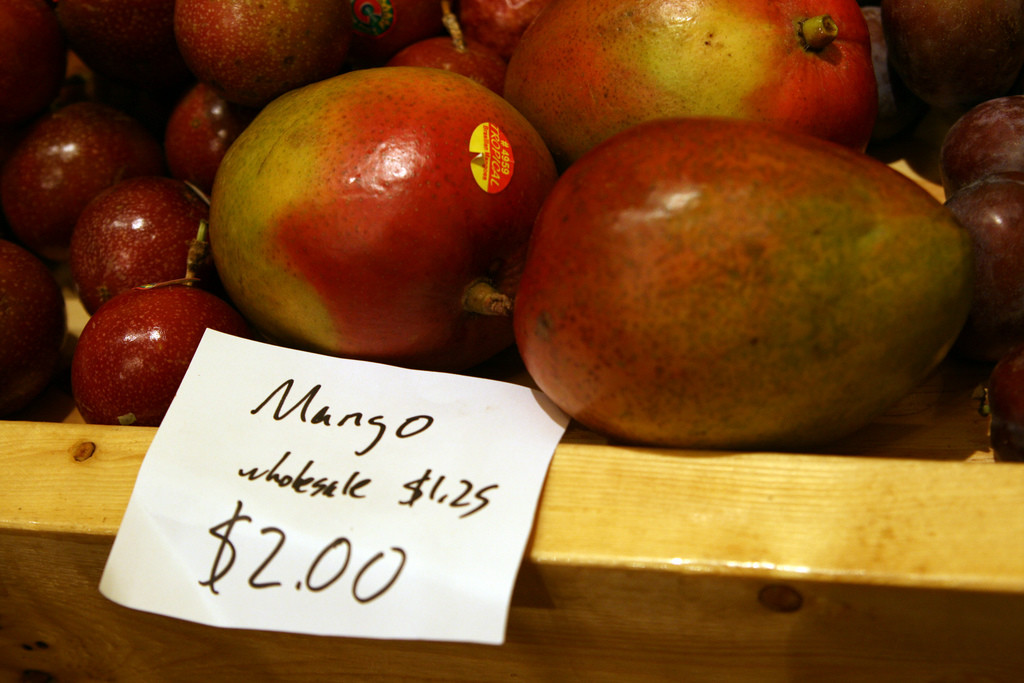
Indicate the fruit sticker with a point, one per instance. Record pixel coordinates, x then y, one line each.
372 17
493 164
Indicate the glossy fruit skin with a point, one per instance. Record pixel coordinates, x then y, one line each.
741 287
585 70
137 232
1006 406
381 28
134 351
346 219
474 60
131 41
32 58
498 24
987 139
66 159
251 52
992 211
200 129
33 325
955 53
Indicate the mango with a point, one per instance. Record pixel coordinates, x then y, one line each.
586 69
382 214
740 287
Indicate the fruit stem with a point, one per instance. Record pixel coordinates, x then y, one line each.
168 283
451 22
817 33
482 298
199 193
198 252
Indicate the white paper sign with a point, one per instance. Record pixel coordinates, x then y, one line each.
290 491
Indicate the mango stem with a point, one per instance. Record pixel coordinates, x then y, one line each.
482 298
817 33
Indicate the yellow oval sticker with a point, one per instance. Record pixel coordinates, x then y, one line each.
493 164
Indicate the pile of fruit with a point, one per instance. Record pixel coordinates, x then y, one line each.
668 207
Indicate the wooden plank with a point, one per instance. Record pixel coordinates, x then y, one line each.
68 477
644 563
568 622
928 523
914 523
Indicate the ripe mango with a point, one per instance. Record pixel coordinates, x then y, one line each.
586 69
739 287
362 215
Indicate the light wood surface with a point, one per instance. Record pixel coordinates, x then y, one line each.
952 521
897 555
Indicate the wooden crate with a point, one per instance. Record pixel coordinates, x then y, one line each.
898 555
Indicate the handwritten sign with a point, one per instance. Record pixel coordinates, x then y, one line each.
290 491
